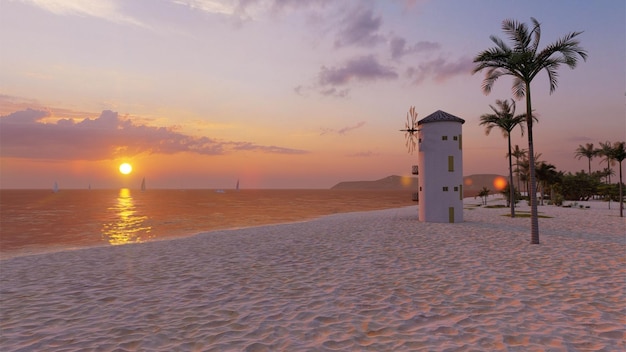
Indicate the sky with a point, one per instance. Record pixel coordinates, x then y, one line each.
281 93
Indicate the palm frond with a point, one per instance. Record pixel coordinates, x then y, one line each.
553 76
500 43
518 88
521 118
517 33
491 76
536 33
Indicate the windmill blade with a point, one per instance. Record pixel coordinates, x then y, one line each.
410 142
411 146
411 129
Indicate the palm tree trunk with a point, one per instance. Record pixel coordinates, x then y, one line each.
534 216
589 166
621 194
511 187
519 187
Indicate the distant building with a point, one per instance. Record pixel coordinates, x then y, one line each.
440 167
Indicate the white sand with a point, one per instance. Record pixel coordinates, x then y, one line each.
372 281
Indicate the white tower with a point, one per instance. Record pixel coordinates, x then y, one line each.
440 163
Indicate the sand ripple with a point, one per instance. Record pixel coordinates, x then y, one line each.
375 281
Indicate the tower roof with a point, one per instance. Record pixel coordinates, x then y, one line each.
440 116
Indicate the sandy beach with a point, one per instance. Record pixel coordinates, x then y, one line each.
365 281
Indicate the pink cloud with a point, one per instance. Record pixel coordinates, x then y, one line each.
24 135
359 28
343 130
399 47
440 70
364 68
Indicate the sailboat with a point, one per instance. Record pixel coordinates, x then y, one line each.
237 186
55 188
143 184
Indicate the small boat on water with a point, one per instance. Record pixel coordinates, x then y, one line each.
237 186
55 188
143 184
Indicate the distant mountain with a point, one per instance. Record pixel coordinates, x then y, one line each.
387 183
472 184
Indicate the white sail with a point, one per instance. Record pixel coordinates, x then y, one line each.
55 188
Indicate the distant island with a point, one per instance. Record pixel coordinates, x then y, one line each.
472 184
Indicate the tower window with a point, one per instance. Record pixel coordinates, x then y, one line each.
444 138
456 189
455 138
445 189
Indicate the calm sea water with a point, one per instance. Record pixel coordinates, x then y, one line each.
36 221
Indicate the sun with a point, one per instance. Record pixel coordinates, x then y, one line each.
126 168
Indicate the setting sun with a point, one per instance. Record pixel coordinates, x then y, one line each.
126 168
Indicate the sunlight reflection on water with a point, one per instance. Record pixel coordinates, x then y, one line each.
128 226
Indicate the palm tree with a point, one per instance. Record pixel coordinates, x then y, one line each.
606 150
587 151
517 154
522 168
524 61
506 120
619 154
546 174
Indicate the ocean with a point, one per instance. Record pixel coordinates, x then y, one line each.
39 221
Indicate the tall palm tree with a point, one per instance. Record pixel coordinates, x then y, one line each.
588 151
606 150
619 154
504 117
524 61
517 154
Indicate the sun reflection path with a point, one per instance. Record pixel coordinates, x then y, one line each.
128 227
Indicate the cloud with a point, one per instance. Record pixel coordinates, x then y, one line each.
364 154
359 29
365 68
334 92
398 47
24 135
266 149
242 10
440 70
279 5
350 128
210 6
103 9
343 130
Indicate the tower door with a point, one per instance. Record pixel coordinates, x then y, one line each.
451 214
